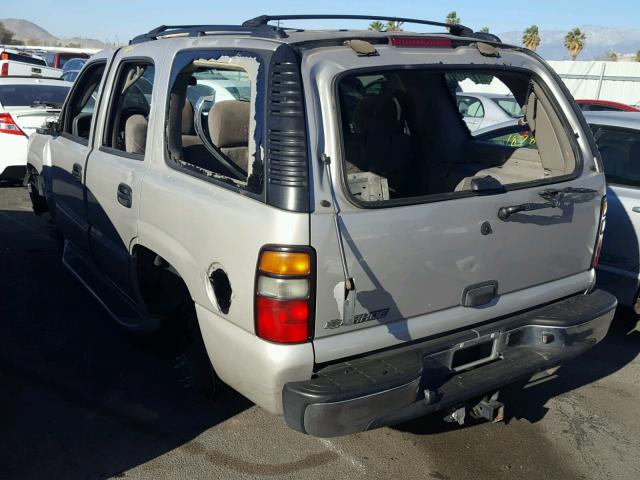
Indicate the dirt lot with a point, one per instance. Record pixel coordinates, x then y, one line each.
79 399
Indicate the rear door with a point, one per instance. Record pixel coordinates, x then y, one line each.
70 150
620 150
437 246
117 164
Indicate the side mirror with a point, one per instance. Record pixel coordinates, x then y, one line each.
49 128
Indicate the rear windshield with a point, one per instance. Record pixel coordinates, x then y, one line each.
408 134
32 95
22 58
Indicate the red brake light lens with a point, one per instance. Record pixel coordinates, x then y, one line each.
7 125
285 294
282 321
421 42
4 70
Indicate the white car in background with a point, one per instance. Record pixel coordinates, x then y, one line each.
482 110
25 105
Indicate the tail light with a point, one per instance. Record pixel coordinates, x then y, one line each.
603 222
4 70
285 294
7 125
421 42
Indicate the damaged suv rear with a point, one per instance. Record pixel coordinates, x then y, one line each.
354 255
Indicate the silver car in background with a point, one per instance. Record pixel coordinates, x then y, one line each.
618 138
482 110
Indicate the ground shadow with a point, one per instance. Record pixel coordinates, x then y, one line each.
80 398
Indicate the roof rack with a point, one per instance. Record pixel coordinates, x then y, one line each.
455 29
259 27
265 31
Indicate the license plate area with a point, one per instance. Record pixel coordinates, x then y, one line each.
473 353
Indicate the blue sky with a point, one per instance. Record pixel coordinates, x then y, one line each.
122 19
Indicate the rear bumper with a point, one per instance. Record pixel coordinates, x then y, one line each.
389 387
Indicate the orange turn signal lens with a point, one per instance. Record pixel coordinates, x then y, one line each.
285 263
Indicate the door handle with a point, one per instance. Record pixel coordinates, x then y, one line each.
124 195
636 209
76 171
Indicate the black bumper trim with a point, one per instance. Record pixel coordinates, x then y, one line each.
388 388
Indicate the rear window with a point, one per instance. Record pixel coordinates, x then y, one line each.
407 134
22 58
28 95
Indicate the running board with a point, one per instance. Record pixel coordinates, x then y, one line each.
121 308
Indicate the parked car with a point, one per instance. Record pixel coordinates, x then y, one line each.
618 137
605 106
72 69
25 104
482 110
16 63
60 59
351 260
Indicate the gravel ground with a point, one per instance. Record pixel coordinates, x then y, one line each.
79 399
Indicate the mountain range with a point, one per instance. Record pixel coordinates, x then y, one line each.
600 40
30 33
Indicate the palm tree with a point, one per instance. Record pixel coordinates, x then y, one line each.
531 38
376 26
484 29
393 26
574 42
452 18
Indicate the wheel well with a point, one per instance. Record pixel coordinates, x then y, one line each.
159 285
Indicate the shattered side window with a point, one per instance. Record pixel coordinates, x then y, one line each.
212 118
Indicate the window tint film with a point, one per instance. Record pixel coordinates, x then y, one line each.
211 131
130 106
406 134
32 95
620 151
81 106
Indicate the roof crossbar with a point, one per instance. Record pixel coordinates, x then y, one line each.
265 31
455 29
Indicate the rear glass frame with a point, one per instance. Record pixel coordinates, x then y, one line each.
440 197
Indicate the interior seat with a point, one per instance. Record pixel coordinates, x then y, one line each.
135 134
228 124
229 130
380 144
189 136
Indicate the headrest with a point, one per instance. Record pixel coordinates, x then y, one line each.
380 113
187 118
135 134
229 123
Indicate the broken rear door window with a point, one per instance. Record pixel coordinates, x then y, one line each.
407 133
212 118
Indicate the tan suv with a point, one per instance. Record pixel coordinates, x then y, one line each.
354 256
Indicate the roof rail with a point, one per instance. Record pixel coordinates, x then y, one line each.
265 31
263 20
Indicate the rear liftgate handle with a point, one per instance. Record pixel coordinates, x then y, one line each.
348 295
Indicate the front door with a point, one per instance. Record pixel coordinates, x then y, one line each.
71 149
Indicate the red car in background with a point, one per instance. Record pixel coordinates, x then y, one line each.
605 106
